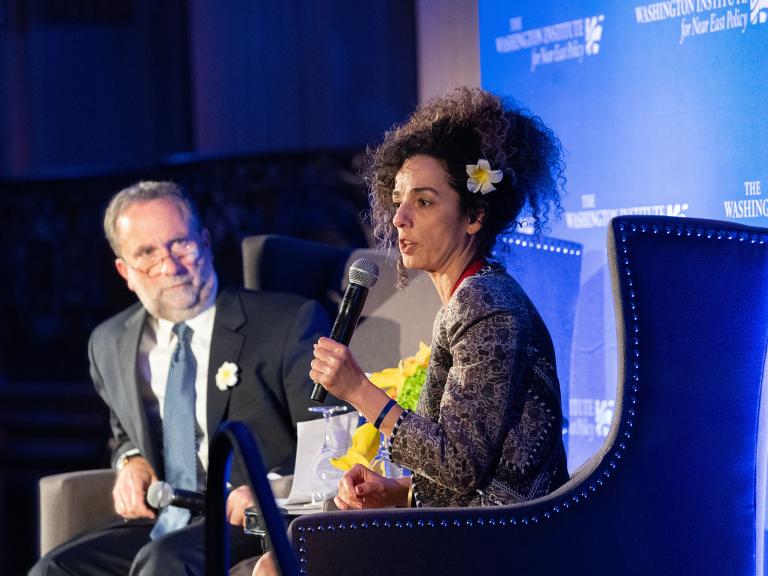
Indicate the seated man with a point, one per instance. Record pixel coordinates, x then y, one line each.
171 368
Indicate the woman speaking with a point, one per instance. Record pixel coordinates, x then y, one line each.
487 430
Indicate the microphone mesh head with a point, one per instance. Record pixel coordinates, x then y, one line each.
159 494
363 272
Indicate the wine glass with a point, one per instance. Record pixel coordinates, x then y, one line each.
326 475
382 464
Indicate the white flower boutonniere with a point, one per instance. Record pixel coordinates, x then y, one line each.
482 178
226 375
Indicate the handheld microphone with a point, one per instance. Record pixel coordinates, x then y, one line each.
160 495
363 274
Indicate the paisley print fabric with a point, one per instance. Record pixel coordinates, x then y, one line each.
487 429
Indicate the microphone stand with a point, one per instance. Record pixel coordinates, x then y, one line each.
229 436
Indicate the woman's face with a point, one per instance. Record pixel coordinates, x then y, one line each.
433 234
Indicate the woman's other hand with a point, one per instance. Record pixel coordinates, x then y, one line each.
362 488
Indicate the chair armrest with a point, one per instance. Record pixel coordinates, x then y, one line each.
472 540
74 502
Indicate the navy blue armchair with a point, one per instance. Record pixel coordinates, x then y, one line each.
677 488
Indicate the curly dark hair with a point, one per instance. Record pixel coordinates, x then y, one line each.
458 128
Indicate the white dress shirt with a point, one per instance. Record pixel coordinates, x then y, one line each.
158 343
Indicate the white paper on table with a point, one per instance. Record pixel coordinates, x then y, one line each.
310 440
299 509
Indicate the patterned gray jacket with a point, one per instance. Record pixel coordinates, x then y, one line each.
487 429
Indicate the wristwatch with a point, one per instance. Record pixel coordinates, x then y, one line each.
123 460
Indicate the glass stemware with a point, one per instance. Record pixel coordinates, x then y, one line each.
383 465
326 475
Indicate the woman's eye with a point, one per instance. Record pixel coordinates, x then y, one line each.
423 202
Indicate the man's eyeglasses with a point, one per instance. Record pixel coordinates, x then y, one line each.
150 262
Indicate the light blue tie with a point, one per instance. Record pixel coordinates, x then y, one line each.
179 450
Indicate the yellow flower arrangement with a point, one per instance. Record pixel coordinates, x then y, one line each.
403 382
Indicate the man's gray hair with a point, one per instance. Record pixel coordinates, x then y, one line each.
146 191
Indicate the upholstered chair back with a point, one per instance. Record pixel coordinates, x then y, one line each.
294 266
687 463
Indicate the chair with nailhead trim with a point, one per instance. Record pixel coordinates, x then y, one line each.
678 486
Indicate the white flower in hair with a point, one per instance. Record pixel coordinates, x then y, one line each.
482 178
226 375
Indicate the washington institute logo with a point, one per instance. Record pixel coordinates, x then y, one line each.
594 33
559 42
698 18
752 203
591 216
590 418
758 12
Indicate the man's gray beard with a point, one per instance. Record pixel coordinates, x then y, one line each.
206 298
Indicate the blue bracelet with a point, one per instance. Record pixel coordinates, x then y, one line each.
384 412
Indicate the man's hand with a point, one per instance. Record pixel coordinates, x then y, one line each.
131 487
238 500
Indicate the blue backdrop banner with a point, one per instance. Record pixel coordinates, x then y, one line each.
662 108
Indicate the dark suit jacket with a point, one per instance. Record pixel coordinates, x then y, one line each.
269 336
